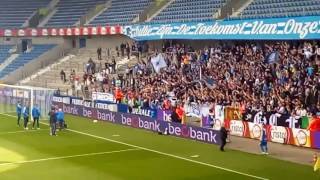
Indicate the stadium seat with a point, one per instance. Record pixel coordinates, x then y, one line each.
283 8
14 13
187 11
25 58
121 12
69 12
4 52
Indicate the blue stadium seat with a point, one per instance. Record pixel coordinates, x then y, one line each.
69 12
4 52
25 58
187 11
121 12
14 13
281 8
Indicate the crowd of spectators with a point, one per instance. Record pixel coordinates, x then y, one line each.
268 76
281 77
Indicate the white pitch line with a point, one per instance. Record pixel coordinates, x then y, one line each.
66 157
22 131
167 154
162 153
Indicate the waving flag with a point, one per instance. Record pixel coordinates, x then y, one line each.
272 58
210 83
158 63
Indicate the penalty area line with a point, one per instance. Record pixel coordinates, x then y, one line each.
162 153
66 157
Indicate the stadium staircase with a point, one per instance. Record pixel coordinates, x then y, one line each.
121 12
232 8
152 10
69 12
15 13
4 54
24 58
280 8
93 13
8 61
159 8
49 77
189 11
52 9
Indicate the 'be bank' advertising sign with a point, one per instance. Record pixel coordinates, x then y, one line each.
273 28
143 122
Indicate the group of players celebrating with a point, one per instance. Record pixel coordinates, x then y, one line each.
56 116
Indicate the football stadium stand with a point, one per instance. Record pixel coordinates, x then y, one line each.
14 13
75 62
121 12
196 71
69 12
51 78
280 8
25 58
4 52
186 11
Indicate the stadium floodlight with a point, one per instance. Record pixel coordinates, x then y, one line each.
10 95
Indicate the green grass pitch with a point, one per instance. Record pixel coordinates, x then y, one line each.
107 151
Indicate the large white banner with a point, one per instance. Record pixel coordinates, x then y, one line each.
219 117
272 28
195 110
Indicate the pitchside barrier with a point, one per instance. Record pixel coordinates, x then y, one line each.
109 112
280 128
285 129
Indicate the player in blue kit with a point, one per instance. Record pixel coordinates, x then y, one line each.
60 119
264 141
36 116
25 112
18 111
